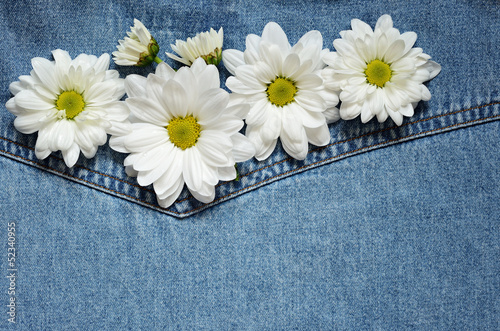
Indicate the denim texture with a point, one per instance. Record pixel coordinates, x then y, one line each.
356 236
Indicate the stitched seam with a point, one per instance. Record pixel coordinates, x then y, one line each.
372 133
76 166
340 155
84 180
279 162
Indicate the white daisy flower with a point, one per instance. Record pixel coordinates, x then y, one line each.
378 72
207 45
283 86
183 131
72 104
138 49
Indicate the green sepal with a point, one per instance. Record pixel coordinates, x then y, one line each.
237 173
148 57
214 57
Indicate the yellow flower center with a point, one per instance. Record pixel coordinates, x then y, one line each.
378 73
71 102
184 131
281 91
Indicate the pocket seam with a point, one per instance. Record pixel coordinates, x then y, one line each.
238 192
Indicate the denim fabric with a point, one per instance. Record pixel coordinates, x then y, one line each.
356 236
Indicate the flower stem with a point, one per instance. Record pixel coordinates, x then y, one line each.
158 60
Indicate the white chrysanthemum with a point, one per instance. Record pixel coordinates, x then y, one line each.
207 45
72 104
284 88
138 49
182 132
378 72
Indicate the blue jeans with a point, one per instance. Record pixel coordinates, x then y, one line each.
385 228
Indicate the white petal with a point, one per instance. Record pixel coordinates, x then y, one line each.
118 144
211 104
247 76
271 128
89 153
293 137
135 85
145 137
102 63
229 124
41 154
147 111
382 116
426 95
208 78
117 111
28 123
44 70
226 173
153 158
243 148
154 164
309 81
258 114
192 172
308 119
384 23
71 155
409 38
274 34
209 197
348 111
395 51
236 86
291 64
366 113
217 138
332 115
319 136
30 100
232 59
312 39
211 154
361 28
12 107
164 71
407 110
433 68
65 136
176 99
62 58
311 101
101 93
239 110
188 81
169 200
396 116
263 148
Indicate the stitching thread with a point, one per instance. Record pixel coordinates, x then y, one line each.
343 154
257 170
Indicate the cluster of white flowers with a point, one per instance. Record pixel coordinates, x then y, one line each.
181 129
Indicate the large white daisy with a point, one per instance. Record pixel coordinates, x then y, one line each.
207 45
378 72
183 131
283 86
138 49
72 104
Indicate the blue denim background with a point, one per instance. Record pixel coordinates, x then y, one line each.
403 237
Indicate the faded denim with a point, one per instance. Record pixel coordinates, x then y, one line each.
354 237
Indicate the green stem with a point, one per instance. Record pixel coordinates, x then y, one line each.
158 60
